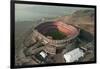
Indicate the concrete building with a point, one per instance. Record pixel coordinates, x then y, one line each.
73 55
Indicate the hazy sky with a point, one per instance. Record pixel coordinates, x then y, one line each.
26 12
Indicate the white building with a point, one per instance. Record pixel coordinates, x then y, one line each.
73 55
43 54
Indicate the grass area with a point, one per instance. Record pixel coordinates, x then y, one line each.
57 35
